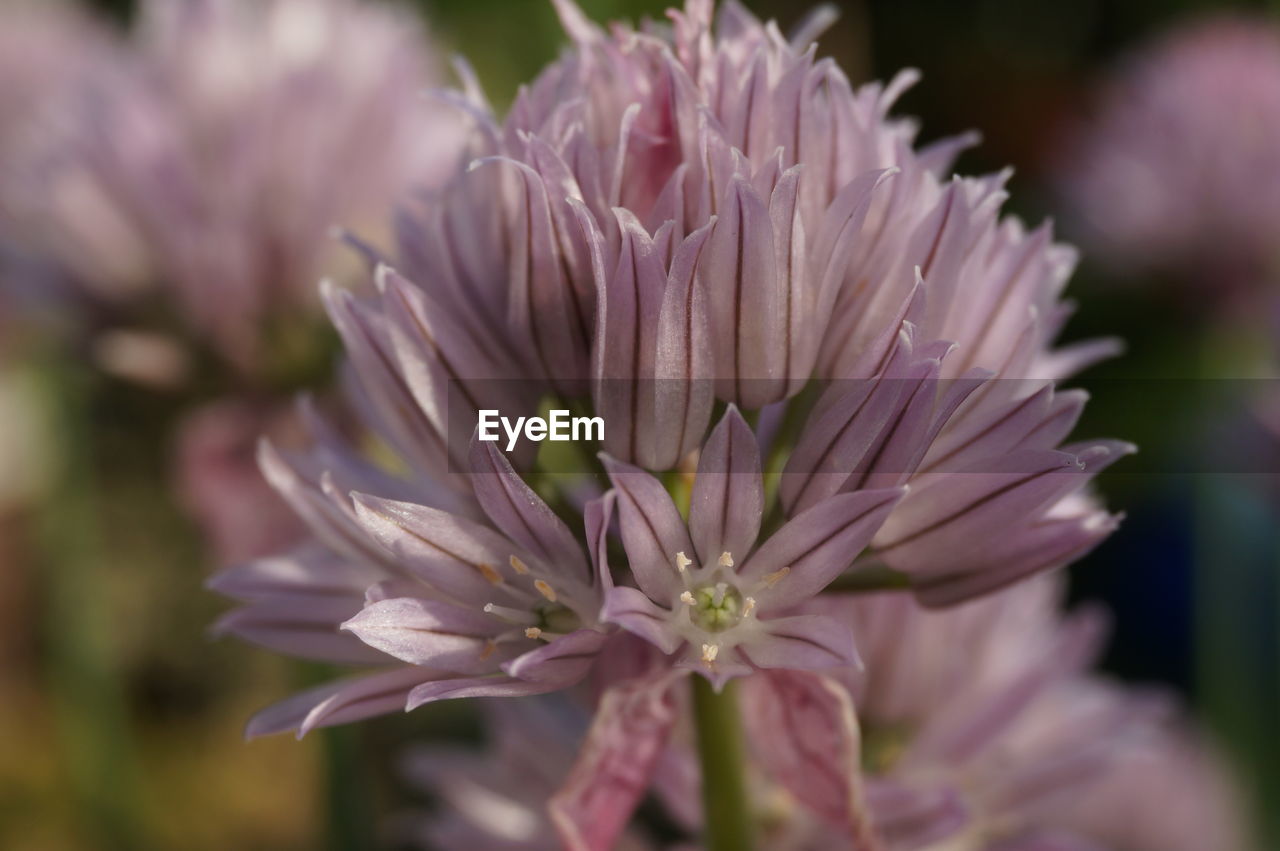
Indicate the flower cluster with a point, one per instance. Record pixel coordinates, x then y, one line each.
822 366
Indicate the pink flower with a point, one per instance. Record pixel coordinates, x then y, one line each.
225 146
645 229
709 591
981 727
219 483
1166 172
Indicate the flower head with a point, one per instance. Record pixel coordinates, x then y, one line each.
1166 173
224 147
708 590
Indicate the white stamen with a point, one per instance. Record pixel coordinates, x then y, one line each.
726 559
682 562
717 597
518 566
545 589
709 653
687 599
532 632
748 606
508 614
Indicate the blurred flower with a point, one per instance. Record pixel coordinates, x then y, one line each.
981 729
218 480
46 48
1171 792
48 52
497 799
1172 170
215 158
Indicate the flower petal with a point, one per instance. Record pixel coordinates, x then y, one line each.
303 626
728 493
427 632
816 547
562 661
613 769
806 734
339 702
452 555
805 642
683 372
636 613
653 531
460 687
522 515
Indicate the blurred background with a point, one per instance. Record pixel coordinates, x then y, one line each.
120 721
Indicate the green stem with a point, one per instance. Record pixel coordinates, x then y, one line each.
724 787
346 789
88 701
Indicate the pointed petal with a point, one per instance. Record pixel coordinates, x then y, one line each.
653 531
339 702
461 687
427 633
684 370
331 525
806 642
817 546
561 662
521 514
630 306
303 626
308 571
728 493
1021 552
455 556
740 278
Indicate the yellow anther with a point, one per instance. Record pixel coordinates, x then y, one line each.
709 653
518 566
489 647
490 573
777 576
682 562
748 606
532 632
726 559
687 599
545 589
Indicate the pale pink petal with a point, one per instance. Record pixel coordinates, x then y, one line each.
616 762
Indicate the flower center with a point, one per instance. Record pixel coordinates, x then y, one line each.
558 619
717 607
